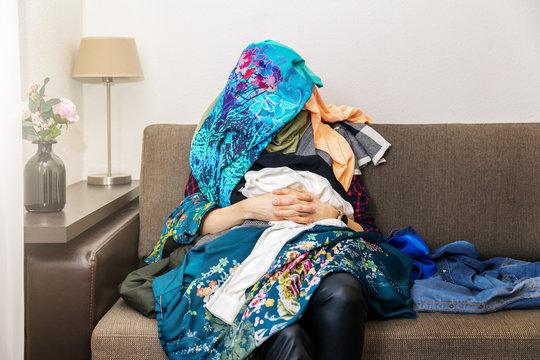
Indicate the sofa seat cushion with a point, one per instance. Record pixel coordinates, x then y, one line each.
508 334
123 333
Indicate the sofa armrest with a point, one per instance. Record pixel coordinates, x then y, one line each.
70 286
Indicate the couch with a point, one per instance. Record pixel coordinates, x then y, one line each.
474 182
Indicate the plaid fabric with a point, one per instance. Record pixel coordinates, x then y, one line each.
192 186
358 197
359 200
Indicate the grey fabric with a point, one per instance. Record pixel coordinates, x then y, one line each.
255 224
359 152
473 182
306 146
364 147
368 141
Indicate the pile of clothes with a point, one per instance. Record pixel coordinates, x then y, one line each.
220 296
269 129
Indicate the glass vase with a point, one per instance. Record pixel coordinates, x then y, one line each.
44 180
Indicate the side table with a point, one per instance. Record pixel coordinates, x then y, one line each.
74 261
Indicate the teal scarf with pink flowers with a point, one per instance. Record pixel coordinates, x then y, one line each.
267 88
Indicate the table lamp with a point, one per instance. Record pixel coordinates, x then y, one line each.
107 58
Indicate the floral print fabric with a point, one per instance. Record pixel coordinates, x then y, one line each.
268 87
182 225
188 331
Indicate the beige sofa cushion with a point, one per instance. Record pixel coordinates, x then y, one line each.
124 334
509 334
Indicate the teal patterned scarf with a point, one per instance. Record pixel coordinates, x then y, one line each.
268 87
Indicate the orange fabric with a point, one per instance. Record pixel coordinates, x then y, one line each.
330 141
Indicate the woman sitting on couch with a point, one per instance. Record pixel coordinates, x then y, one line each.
292 268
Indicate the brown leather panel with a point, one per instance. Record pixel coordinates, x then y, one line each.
70 286
111 262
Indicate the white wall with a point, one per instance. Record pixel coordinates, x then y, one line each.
407 61
11 193
50 32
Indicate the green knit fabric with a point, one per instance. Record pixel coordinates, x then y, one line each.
136 289
288 138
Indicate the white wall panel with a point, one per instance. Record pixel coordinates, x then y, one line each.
403 61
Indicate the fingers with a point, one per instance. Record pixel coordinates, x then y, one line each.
295 210
293 194
290 201
301 220
305 196
297 219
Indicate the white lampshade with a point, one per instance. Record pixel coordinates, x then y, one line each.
104 57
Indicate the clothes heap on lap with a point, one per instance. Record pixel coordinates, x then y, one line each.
269 128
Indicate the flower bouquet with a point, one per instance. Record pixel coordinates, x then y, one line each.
43 119
45 172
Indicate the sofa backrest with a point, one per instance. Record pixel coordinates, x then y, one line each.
164 173
474 182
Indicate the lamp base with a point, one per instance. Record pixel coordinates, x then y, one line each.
114 179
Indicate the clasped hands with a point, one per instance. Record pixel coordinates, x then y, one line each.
295 205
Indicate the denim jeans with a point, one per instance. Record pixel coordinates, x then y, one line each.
466 284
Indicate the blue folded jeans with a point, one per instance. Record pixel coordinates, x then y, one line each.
467 284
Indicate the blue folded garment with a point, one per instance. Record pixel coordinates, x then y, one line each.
409 242
423 268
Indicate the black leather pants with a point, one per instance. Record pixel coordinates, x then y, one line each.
331 328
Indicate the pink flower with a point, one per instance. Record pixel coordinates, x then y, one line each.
248 73
270 81
38 121
33 91
32 88
67 110
307 266
245 59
